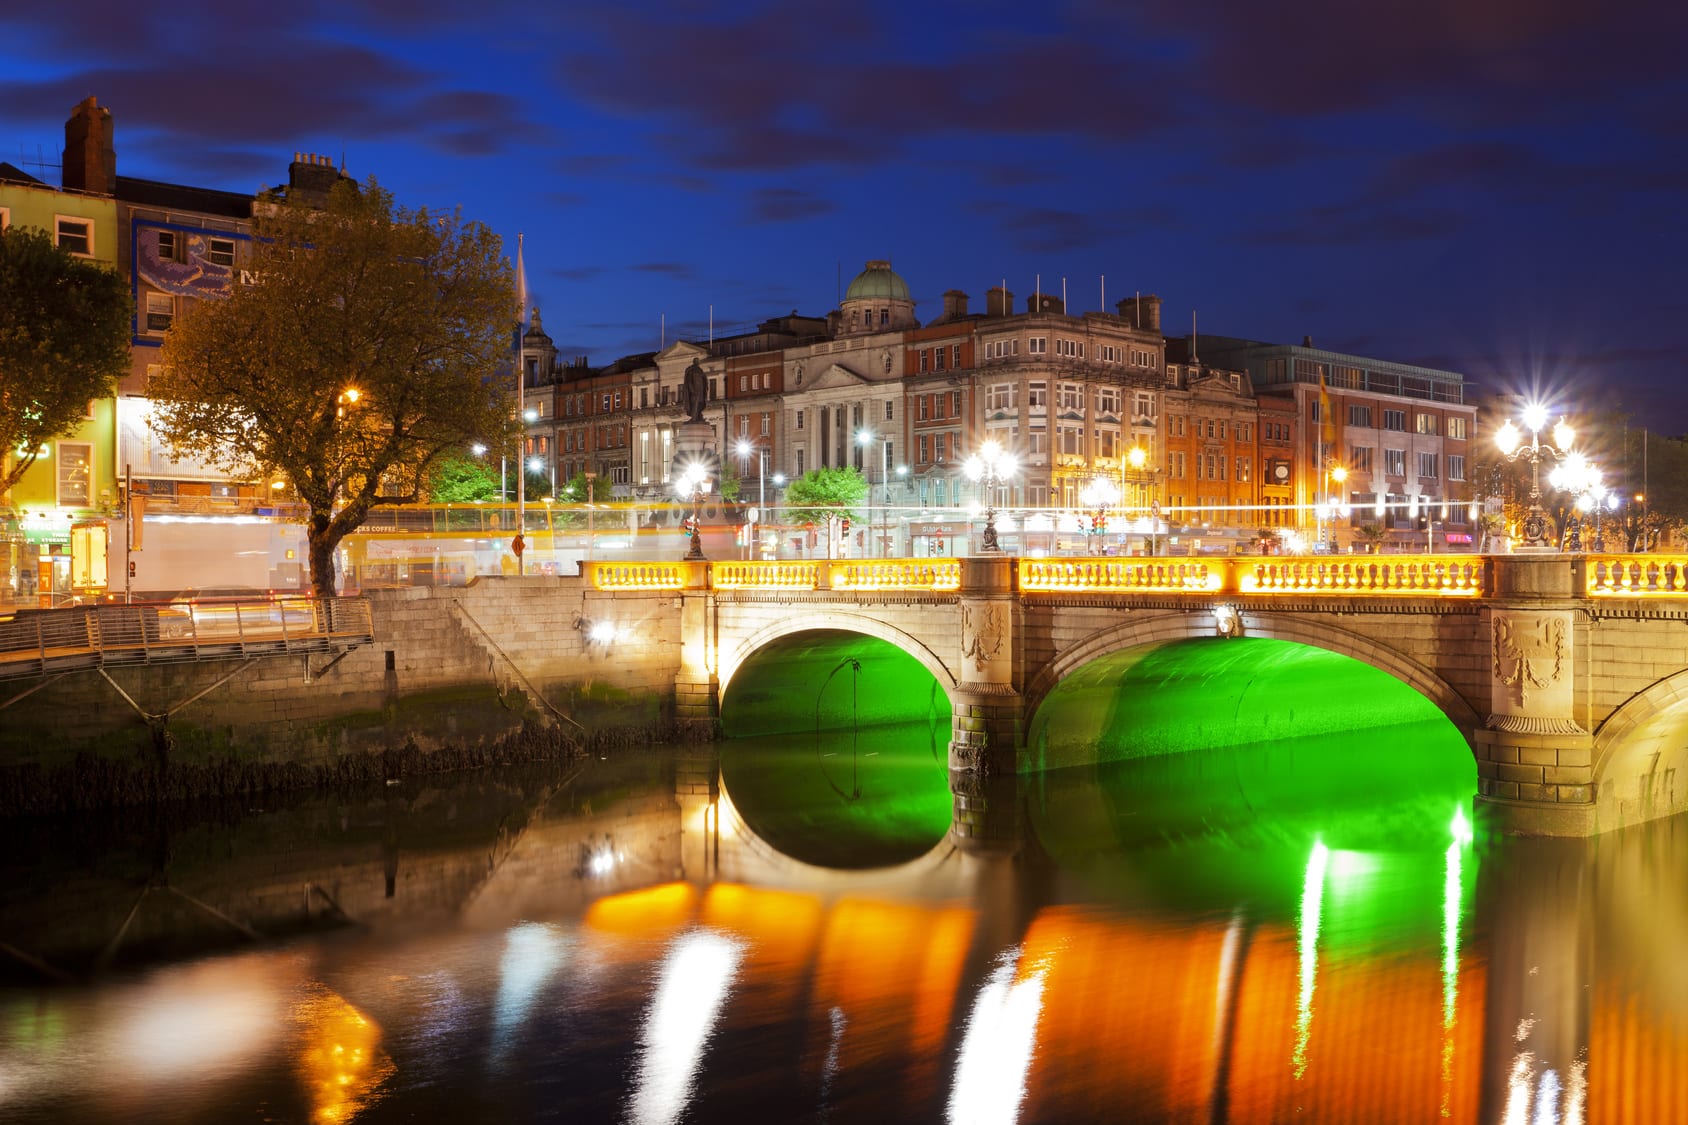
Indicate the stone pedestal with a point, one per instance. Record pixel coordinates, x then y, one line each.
986 706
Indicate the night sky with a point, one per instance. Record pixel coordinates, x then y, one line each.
1494 188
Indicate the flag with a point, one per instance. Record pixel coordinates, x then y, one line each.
521 286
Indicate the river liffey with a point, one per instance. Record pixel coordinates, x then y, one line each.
818 930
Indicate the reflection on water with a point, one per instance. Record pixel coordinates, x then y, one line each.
1125 950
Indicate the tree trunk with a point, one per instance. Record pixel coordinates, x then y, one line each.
320 544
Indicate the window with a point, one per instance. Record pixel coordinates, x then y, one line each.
767 422
1037 396
799 420
1037 442
1070 396
955 404
955 355
921 446
1456 430
161 310
1361 416
1427 465
1143 405
937 359
923 361
743 383
1038 345
888 409
606 407
1426 423
1360 458
1072 349
1107 400
169 246
1395 421
1002 396
1456 467
1107 443
76 235
938 406
220 251
1395 462
1178 464
1244 469
1069 441
75 474
920 408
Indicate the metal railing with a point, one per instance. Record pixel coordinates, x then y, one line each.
40 642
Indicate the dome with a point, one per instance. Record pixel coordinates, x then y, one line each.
877 282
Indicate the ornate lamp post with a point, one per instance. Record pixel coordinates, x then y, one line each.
1578 475
865 438
989 466
1141 478
690 487
1098 496
1509 442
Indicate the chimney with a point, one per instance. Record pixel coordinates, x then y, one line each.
955 304
90 157
1141 312
999 301
312 177
1046 303
1306 341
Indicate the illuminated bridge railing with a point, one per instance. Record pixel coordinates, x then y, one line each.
896 574
642 575
1441 576
1168 576
796 575
1636 576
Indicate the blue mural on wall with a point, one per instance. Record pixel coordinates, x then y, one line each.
182 261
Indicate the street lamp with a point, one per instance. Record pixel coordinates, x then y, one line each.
989 466
1578 475
1509 441
865 438
1142 485
1098 496
1330 506
690 486
745 449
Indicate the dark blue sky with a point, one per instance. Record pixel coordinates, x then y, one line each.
1495 188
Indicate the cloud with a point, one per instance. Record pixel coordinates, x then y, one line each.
784 205
680 271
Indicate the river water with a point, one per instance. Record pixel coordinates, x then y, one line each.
807 931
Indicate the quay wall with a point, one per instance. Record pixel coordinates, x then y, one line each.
461 667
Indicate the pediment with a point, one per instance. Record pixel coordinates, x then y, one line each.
681 350
833 377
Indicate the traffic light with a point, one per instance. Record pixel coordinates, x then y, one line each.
846 525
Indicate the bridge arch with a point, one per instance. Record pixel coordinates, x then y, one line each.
735 651
1178 625
1640 756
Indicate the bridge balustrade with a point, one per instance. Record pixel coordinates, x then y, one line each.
1636 576
764 575
1171 576
897 574
1442 576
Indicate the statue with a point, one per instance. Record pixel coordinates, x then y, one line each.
694 393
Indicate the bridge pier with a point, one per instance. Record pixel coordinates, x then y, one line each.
986 729
986 707
697 688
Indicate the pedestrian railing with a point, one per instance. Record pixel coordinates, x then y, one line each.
1636 576
40 642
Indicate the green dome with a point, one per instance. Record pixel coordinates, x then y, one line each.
877 282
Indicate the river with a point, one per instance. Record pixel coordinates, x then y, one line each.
811 930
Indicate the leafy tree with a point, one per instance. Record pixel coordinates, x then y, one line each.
64 342
462 480
730 482
574 491
365 349
822 493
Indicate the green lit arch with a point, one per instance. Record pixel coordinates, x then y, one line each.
733 658
1179 625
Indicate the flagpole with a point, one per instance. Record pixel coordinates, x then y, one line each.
521 407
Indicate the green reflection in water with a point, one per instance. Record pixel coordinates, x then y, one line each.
1197 694
843 799
1216 829
831 680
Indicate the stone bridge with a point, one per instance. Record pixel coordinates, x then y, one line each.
1566 674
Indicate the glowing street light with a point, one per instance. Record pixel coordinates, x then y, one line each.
690 486
1098 496
744 449
1510 443
989 466
1578 475
865 438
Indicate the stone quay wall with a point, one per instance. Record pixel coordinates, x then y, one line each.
449 666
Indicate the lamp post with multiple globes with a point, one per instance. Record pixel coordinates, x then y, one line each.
989 466
1097 497
690 486
1510 443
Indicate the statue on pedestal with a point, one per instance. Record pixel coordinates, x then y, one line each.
694 392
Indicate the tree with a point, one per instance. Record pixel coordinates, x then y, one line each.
731 483
820 494
64 342
462 480
365 347
574 492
